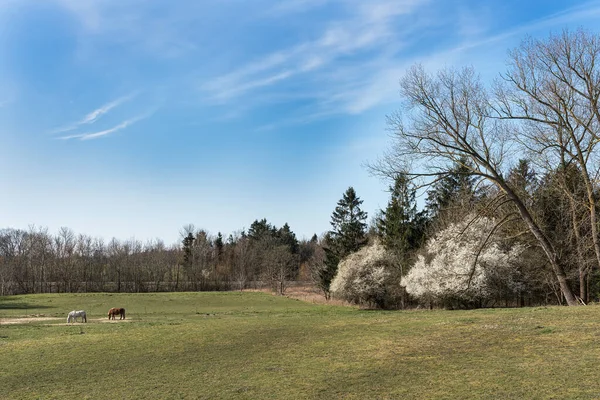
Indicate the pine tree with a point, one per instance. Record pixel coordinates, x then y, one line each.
288 238
458 185
219 244
348 222
328 271
400 226
261 229
188 243
347 236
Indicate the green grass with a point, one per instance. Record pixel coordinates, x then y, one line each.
254 345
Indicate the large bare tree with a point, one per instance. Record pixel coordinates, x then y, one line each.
449 118
553 88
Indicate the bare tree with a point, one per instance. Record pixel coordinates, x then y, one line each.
156 261
448 119
205 256
115 253
13 247
553 87
64 257
279 267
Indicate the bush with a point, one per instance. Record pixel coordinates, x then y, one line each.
364 277
459 264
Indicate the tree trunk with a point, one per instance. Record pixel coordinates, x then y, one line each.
583 271
549 250
593 221
582 285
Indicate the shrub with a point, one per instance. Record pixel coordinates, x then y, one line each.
459 263
363 277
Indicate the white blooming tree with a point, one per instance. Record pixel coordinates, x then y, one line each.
458 263
363 277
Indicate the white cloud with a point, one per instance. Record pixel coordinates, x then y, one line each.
93 116
373 36
351 62
96 135
365 27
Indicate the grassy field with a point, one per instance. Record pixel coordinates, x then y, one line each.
258 346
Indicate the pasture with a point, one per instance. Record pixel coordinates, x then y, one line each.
258 346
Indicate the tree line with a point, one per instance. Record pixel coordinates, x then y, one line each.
36 261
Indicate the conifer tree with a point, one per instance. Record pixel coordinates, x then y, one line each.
348 222
347 236
219 244
188 242
400 226
458 184
261 229
288 238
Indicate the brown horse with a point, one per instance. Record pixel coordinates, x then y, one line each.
114 311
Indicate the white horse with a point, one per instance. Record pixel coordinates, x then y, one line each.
73 315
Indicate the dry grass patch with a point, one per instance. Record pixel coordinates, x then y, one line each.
26 320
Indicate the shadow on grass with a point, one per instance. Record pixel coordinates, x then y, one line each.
9 304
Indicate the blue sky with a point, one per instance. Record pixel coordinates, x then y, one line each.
132 118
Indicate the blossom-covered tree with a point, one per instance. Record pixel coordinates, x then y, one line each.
364 276
458 263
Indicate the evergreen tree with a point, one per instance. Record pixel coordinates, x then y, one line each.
349 226
523 179
230 240
219 244
188 243
402 230
458 185
400 226
328 270
261 229
288 238
347 236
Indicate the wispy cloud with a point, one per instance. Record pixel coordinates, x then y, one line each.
590 10
349 59
364 28
355 62
96 135
93 116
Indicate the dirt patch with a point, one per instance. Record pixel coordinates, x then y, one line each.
111 321
100 321
25 320
97 321
28 320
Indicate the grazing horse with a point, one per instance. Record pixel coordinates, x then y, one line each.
114 311
73 315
